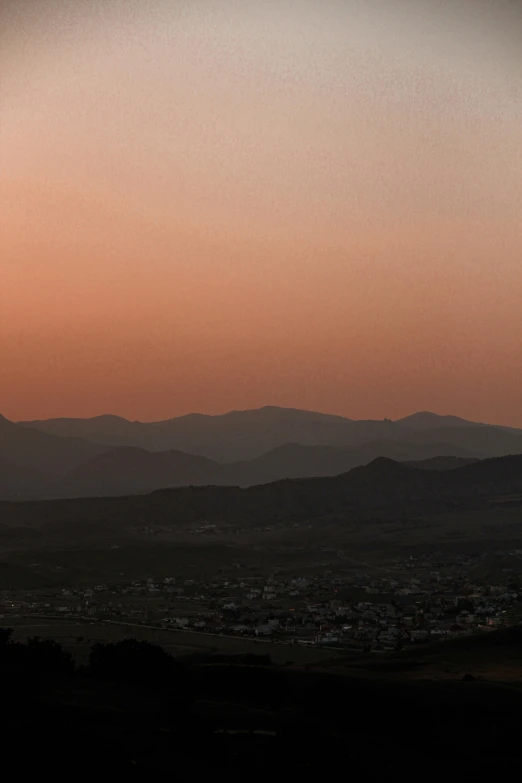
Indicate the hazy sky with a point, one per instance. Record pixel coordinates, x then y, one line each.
217 204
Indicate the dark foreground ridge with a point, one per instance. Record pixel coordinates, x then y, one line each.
135 710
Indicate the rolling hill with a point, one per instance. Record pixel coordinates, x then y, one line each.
132 470
378 510
381 486
30 459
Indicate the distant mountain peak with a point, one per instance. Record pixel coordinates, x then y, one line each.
108 417
386 464
424 420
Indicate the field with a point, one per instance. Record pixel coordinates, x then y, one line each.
75 557
78 638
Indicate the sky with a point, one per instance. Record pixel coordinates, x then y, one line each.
216 205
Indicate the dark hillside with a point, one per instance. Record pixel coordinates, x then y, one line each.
209 719
383 484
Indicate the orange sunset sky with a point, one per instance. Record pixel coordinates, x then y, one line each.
216 205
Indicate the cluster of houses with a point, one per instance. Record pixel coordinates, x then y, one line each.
355 612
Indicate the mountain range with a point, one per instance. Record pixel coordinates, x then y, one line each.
378 489
109 455
385 508
244 435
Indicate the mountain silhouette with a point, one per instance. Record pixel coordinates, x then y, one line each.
383 487
245 435
29 458
50 459
132 470
425 420
229 437
443 463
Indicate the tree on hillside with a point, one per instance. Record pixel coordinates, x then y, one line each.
132 661
37 655
144 664
47 655
5 636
